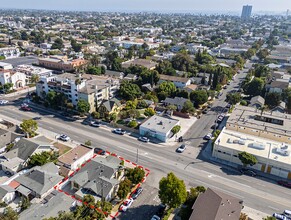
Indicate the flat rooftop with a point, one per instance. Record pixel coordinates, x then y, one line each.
74 154
269 121
159 124
264 148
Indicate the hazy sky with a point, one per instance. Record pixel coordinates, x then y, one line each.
149 5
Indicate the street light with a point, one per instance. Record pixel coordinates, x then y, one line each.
137 153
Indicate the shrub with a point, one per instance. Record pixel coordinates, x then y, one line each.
132 124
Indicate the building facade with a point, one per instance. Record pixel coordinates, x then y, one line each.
246 12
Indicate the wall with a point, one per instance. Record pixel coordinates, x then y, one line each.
81 160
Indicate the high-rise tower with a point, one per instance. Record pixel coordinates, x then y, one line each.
246 12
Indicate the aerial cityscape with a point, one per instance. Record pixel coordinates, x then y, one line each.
146 110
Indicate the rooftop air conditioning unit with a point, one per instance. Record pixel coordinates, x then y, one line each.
257 146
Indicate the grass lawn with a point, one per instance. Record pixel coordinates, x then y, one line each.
62 148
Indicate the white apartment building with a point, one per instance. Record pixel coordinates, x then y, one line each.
16 78
66 83
30 70
9 52
265 135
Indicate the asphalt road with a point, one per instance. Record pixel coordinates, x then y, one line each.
257 193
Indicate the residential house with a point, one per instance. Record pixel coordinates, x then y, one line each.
158 127
114 74
151 65
39 181
98 178
51 206
278 86
18 79
109 106
7 194
5 66
7 137
216 205
74 158
180 82
257 102
177 101
18 157
130 77
281 108
30 70
9 52
190 88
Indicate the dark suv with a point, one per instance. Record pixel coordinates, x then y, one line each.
248 172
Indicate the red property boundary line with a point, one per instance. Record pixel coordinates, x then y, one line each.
56 187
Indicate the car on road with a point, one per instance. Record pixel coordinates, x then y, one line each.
99 151
125 205
181 149
155 217
64 137
25 108
205 111
95 124
220 118
208 136
284 183
144 139
3 102
228 105
137 192
248 172
119 131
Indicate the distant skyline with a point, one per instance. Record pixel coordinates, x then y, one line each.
221 6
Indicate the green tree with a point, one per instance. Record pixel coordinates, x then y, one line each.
8 214
7 87
255 87
124 188
273 99
247 159
263 53
42 158
29 126
132 124
135 175
172 107
233 98
95 115
34 78
167 87
188 107
149 112
94 70
176 129
75 46
141 104
58 44
199 97
129 91
172 191
130 105
269 218
25 203
133 113
83 106
88 143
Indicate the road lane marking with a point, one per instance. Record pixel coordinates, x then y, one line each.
271 207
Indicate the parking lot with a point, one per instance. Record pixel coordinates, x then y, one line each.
144 207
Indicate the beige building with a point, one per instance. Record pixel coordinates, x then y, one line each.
61 63
267 136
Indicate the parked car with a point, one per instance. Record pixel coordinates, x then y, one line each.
208 136
64 137
181 148
144 139
119 131
95 124
125 205
3 102
100 151
160 211
220 118
205 111
248 172
180 139
136 193
285 183
155 217
25 108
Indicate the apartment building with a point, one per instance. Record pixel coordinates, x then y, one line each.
266 135
66 83
93 89
61 63
9 52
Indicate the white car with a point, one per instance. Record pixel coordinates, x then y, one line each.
208 136
155 217
64 137
95 124
126 204
181 148
144 139
3 102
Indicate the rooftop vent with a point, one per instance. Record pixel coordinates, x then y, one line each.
257 146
